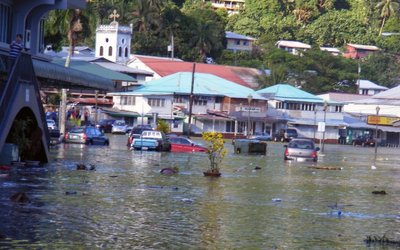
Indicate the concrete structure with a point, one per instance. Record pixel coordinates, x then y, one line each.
236 42
19 96
113 41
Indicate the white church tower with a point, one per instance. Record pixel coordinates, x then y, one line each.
113 42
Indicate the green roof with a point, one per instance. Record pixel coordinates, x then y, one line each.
95 69
204 84
286 92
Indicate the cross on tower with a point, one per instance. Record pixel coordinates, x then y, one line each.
114 15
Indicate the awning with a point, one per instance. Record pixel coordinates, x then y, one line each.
311 122
120 113
57 75
205 117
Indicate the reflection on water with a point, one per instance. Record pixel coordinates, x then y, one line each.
127 203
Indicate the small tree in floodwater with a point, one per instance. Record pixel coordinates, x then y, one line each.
215 150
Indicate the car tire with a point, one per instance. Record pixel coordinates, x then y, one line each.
106 143
275 139
282 139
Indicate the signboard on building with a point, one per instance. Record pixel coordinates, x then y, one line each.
248 109
321 126
382 120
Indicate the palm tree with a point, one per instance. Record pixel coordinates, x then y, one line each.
145 16
387 8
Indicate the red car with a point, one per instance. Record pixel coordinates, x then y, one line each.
182 144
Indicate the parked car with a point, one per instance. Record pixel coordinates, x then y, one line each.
364 140
119 127
136 132
301 150
285 134
152 140
105 125
86 135
261 136
51 124
183 144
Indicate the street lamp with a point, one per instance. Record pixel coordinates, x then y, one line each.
323 134
249 98
376 134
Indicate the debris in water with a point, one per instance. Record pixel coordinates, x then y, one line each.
375 239
71 193
20 197
381 192
257 168
276 199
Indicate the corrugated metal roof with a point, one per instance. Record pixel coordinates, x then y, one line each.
393 93
366 84
71 76
330 49
292 44
232 35
123 68
164 67
365 47
95 69
288 92
204 84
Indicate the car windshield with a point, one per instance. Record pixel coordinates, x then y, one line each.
301 144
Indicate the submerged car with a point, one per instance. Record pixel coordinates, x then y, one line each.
364 141
86 135
301 150
105 125
152 140
136 132
183 144
119 127
261 136
285 135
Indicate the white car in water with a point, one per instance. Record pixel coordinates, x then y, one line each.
119 127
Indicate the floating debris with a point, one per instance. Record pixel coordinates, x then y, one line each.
375 239
381 192
20 197
326 168
169 171
81 166
276 199
71 193
257 168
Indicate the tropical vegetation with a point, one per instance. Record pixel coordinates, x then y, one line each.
198 32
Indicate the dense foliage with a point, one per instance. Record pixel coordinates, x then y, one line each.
198 32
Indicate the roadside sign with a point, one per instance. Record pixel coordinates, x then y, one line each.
321 126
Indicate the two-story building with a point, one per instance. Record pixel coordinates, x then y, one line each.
237 42
218 104
292 107
231 6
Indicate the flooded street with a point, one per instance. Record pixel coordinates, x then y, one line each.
126 203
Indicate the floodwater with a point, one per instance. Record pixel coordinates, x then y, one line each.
127 204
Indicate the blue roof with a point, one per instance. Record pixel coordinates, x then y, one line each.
286 92
232 35
204 84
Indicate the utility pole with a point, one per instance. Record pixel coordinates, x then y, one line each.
191 101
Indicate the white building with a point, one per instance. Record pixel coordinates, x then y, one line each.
366 87
293 47
113 41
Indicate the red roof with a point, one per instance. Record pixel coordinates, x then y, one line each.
163 67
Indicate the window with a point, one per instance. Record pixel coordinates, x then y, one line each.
230 126
245 43
179 99
156 102
127 100
338 109
126 52
119 51
200 100
110 51
5 24
237 42
101 50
